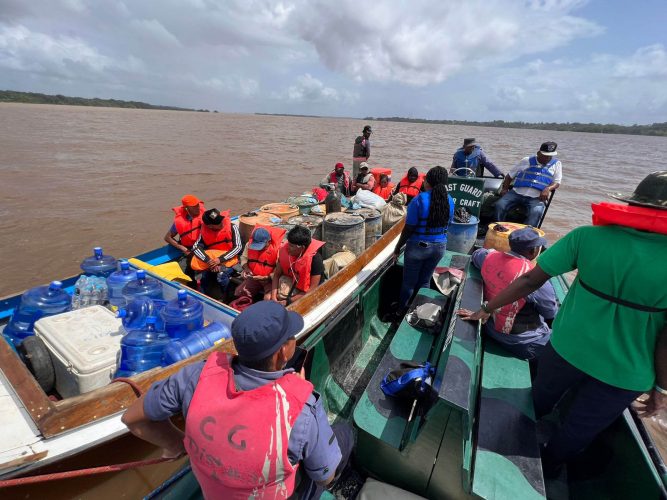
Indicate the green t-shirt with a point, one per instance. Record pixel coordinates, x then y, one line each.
611 342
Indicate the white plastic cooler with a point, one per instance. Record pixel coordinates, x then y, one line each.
84 346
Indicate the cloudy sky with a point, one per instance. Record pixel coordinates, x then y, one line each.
532 60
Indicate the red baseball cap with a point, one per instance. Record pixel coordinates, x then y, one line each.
190 200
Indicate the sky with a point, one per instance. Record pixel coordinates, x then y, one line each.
602 61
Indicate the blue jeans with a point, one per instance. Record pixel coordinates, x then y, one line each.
534 207
420 260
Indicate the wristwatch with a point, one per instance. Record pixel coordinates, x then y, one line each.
485 307
660 390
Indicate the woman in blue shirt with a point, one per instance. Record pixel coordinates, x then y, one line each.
424 235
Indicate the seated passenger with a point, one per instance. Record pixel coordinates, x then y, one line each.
535 177
301 268
364 180
258 261
187 226
470 159
384 188
411 184
520 326
340 178
217 250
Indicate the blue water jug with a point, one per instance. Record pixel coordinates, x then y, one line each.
36 303
135 313
143 286
183 315
141 350
99 264
196 342
117 281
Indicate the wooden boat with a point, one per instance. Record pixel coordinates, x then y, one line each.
457 447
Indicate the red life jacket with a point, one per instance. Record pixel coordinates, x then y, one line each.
299 269
411 189
263 262
219 240
385 192
237 440
188 229
498 271
346 179
649 219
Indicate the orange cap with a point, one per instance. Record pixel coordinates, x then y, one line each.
190 200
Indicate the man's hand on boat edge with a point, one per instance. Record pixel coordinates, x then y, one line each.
654 404
468 315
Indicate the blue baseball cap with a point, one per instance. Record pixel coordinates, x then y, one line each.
525 239
262 328
260 237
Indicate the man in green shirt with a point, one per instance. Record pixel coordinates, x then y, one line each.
609 339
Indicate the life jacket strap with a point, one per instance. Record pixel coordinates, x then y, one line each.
621 302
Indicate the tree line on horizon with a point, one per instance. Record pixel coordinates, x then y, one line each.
656 129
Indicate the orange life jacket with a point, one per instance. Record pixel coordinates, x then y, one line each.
188 229
384 192
649 219
218 240
498 271
263 262
299 269
237 440
411 189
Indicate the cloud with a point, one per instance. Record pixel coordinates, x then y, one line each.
647 62
310 89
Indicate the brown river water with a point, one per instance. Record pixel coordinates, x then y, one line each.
72 178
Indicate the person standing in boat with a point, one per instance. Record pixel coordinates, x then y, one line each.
187 226
520 327
218 248
609 340
300 267
258 261
412 184
424 235
361 150
471 159
535 177
384 187
340 178
250 422
364 179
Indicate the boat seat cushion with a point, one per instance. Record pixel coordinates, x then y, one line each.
507 457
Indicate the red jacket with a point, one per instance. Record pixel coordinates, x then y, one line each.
263 262
188 229
299 268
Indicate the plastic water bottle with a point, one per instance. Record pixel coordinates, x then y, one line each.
143 286
183 315
196 342
135 313
36 303
117 281
98 264
141 350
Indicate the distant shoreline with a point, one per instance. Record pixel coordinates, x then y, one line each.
36 98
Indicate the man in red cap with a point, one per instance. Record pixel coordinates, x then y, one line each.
187 226
340 177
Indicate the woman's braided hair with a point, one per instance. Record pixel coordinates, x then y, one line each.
438 214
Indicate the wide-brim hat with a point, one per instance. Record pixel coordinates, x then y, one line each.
651 192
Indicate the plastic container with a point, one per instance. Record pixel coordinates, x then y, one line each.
84 347
117 281
135 313
461 236
333 202
282 210
196 342
99 264
312 222
343 232
499 240
182 316
248 221
143 286
36 303
372 224
142 349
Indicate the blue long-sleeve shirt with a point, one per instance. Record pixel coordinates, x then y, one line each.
476 161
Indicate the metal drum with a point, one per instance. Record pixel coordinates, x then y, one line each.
372 224
341 232
312 222
282 210
248 221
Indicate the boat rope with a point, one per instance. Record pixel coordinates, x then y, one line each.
82 472
137 390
